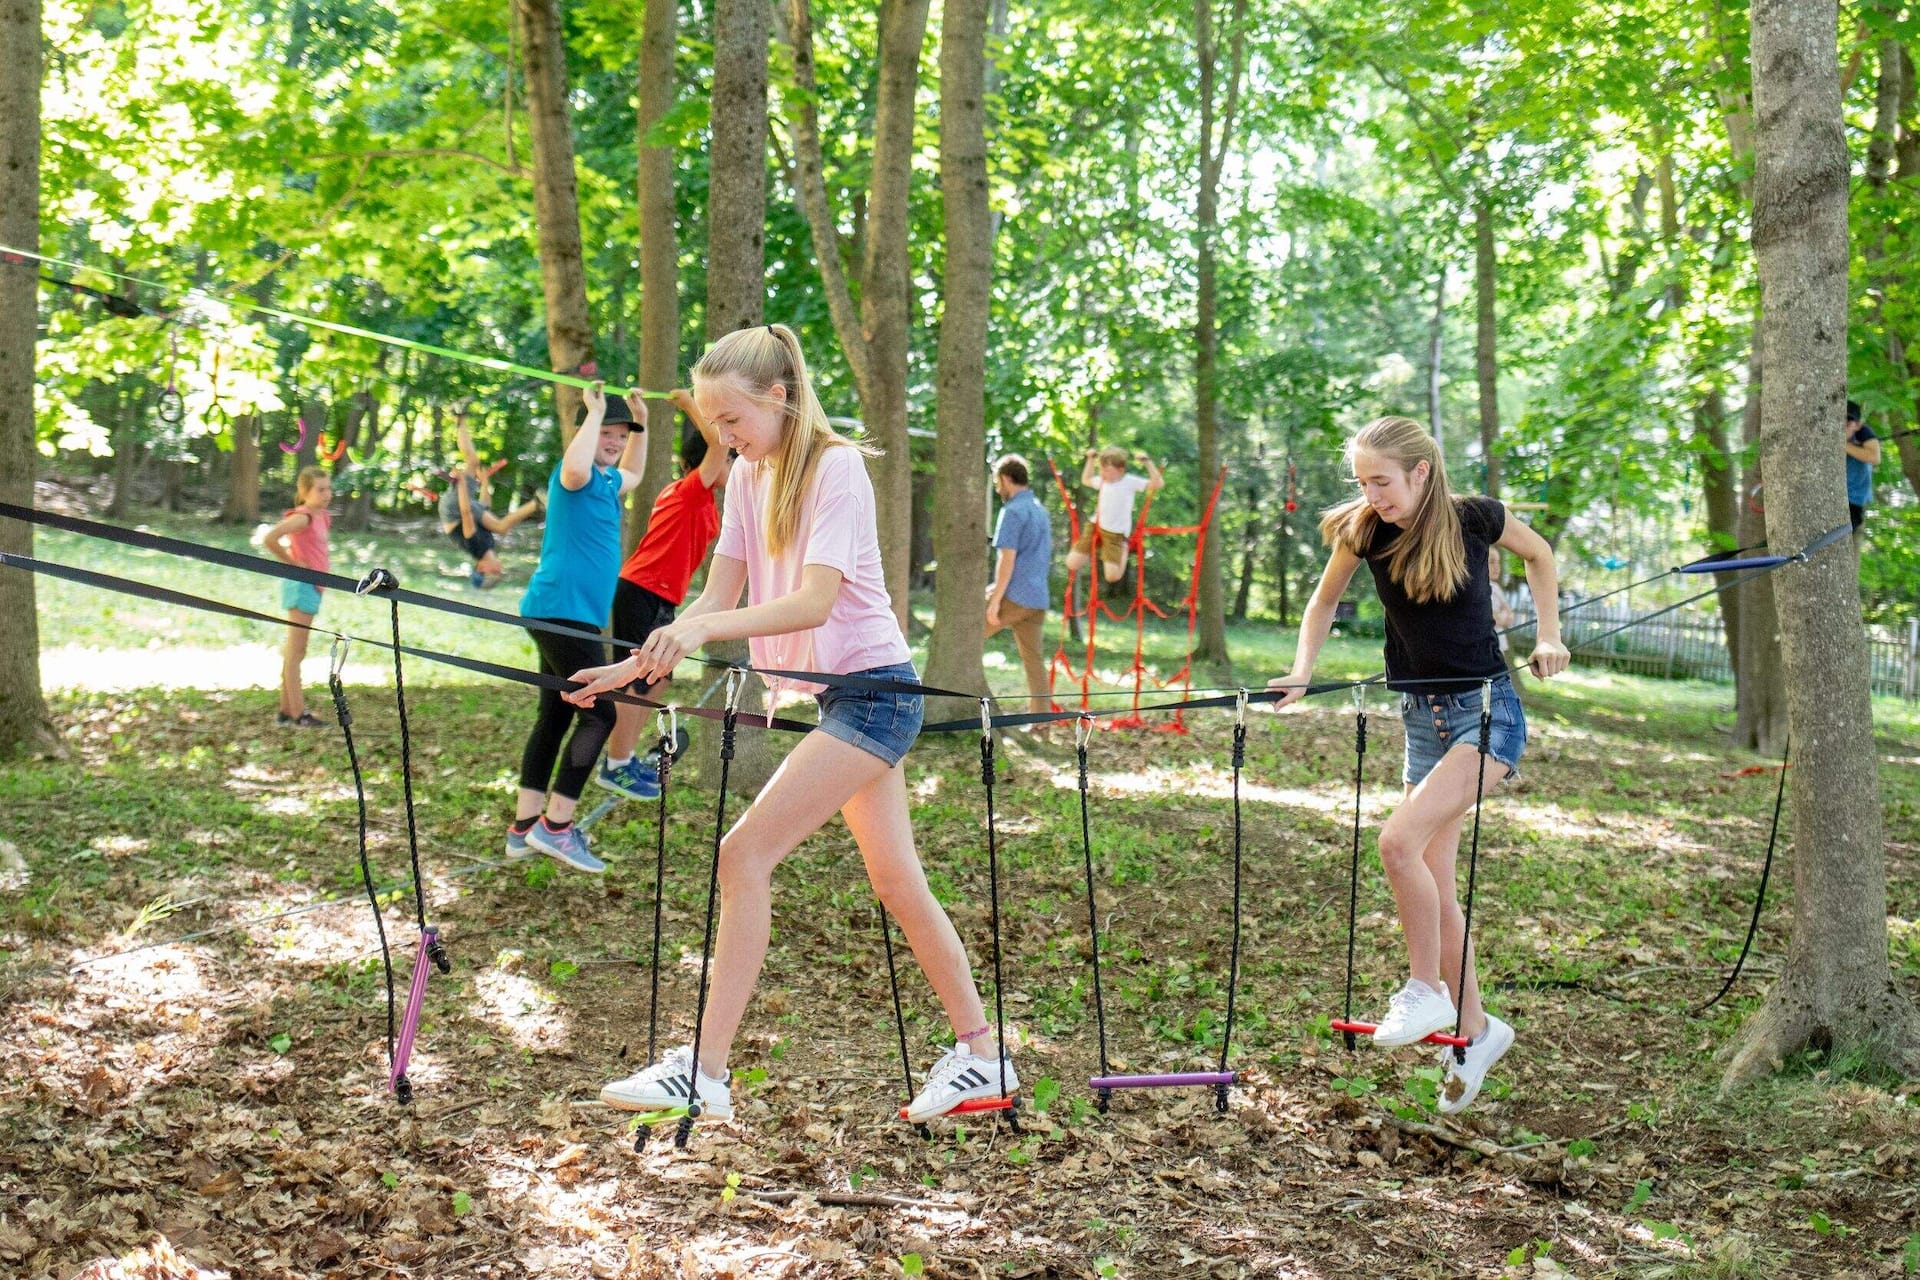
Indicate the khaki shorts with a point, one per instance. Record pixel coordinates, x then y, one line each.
1113 546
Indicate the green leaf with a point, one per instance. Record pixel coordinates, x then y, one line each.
390 1180
911 1264
1910 1255
1821 1224
1581 1147
1045 1091
280 1043
561 970
1518 1258
462 1204
1642 1192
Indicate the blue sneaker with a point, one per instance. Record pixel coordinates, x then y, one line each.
517 846
565 845
637 779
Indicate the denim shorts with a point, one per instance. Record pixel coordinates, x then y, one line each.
880 724
1438 722
303 596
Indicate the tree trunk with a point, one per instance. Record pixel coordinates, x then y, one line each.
24 726
125 434
1210 649
243 478
1249 548
362 435
960 462
1486 363
876 342
659 258
1759 679
556 200
736 288
1835 992
1436 331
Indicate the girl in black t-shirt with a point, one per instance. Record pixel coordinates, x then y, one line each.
1427 551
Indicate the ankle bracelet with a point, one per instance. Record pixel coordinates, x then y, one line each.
972 1035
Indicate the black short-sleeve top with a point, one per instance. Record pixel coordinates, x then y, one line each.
1451 641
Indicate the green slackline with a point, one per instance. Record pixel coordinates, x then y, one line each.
354 331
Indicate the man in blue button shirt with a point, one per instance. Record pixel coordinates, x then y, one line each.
1017 600
1863 455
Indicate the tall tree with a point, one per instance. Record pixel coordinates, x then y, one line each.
1836 990
659 250
736 271
23 713
873 335
1216 143
960 476
1486 362
556 197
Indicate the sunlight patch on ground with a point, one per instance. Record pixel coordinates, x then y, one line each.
245 666
521 1008
119 846
1217 784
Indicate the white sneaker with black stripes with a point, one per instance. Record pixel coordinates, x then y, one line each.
668 1084
959 1077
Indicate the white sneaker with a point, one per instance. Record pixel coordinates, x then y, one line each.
960 1077
1415 1012
1462 1080
667 1084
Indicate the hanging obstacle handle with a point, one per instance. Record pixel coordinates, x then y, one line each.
1473 867
736 682
1233 963
1353 874
1082 736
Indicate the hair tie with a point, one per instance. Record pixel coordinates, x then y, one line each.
770 332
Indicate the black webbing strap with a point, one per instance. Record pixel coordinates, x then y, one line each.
1233 964
336 662
669 743
1473 867
383 582
1760 897
1082 734
993 888
736 679
1353 873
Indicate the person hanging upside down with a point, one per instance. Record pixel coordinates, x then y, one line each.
1427 551
465 516
683 524
1112 528
573 585
800 535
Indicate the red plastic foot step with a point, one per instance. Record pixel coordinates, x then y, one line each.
1366 1029
975 1106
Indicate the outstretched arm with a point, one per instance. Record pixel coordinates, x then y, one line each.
633 459
576 464
1155 481
1090 470
1315 623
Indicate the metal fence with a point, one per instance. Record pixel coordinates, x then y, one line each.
1690 644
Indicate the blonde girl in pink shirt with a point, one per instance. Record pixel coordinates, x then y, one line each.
800 536
301 539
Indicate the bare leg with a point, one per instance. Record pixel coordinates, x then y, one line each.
816 779
506 523
1431 809
293 698
1077 560
881 825
1441 856
1113 571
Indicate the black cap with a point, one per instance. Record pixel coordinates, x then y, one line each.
618 414
1853 411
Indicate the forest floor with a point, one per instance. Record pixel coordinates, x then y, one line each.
176 1062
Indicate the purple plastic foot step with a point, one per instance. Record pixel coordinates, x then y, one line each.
1170 1081
416 996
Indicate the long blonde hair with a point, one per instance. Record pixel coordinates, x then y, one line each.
1429 559
757 360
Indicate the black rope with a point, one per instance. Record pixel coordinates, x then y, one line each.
727 726
1082 732
1353 875
1759 898
345 717
380 580
1473 868
669 742
1233 964
993 889
899 1015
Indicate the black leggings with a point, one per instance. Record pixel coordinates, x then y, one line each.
562 656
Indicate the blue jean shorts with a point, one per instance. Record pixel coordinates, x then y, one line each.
880 724
1438 722
303 596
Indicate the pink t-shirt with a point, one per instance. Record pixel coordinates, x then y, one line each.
838 529
309 542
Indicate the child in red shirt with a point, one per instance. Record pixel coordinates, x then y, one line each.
681 529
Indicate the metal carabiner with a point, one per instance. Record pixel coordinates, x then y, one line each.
1360 695
667 719
337 657
1240 708
1083 730
986 717
736 685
